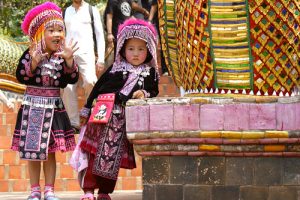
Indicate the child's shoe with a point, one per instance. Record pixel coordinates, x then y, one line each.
35 193
34 197
87 196
49 193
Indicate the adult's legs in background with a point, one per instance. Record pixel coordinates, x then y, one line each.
71 103
87 70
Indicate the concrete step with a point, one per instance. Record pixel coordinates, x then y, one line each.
117 195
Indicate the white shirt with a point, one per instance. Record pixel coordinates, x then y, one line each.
79 28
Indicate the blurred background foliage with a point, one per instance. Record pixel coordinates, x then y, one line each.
12 13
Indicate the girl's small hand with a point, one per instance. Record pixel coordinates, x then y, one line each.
36 56
139 94
68 50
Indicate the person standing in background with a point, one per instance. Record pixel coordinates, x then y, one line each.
153 18
79 27
139 15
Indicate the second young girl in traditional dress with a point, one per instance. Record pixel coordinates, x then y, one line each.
42 125
133 75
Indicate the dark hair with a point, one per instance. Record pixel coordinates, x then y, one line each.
122 53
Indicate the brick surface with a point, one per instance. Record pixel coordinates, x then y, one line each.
225 192
236 117
61 157
149 192
183 170
174 192
20 185
10 118
72 185
10 157
4 185
139 118
155 170
199 192
211 117
16 171
3 131
186 117
5 142
254 193
268 171
2 172
2 115
241 168
286 116
66 171
165 80
291 173
212 171
161 117
7 110
137 172
129 183
282 193
262 116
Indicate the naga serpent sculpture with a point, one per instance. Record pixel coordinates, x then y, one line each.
10 52
218 47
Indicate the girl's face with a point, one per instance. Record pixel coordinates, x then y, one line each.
53 38
135 51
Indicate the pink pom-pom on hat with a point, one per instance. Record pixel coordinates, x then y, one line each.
37 15
134 21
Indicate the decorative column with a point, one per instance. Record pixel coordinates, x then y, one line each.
212 148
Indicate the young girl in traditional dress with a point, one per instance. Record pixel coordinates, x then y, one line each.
133 75
42 125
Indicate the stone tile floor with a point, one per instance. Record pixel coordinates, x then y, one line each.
117 195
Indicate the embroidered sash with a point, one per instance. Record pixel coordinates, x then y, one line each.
37 115
35 132
110 149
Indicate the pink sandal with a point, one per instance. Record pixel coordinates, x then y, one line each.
87 196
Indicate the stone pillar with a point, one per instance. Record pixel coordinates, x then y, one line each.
225 148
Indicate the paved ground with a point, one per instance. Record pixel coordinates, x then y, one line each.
118 195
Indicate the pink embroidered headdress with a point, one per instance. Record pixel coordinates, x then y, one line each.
38 19
136 28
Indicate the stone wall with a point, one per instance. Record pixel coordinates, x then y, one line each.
221 178
217 148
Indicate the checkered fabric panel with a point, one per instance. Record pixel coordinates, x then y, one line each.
195 66
275 35
166 14
234 46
